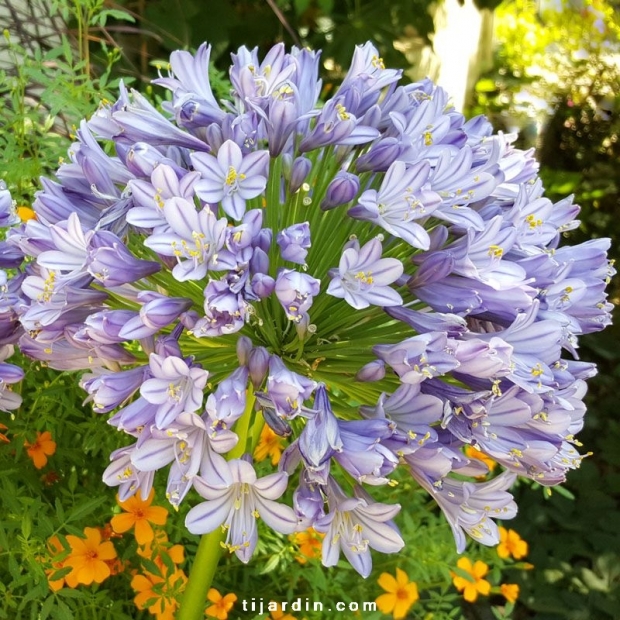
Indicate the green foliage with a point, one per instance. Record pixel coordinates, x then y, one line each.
334 26
38 117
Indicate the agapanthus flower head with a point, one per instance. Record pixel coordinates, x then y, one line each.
359 284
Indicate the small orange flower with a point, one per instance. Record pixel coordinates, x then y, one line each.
476 584
400 594
511 544
221 604
3 437
89 558
310 544
269 444
42 447
473 453
159 594
139 514
510 591
278 614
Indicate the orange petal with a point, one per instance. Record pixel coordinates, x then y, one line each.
38 458
214 596
387 582
401 577
401 608
106 551
100 571
140 583
470 594
386 603
144 532
484 587
156 514
123 522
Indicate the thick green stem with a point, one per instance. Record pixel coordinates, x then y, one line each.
201 576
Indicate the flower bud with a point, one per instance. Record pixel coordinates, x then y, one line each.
342 189
299 171
258 364
373 371
244 348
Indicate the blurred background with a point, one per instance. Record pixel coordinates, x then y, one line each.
549 70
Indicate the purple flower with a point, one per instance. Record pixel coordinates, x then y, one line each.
320 438
363 277
8 215
112 264
418 358
230 178
287 390
335 125
469 506
122 473
107 390
225 311
175 388
194 238
295 291
401 199
354 525
236 498
9 374
294 242
193 102
228 402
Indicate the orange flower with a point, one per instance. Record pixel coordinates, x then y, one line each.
42 447
159 594
269 444
400 595
89 558
510 591
475 584
474 453
310 544
221 604
511 544
139 514
278 614
2 436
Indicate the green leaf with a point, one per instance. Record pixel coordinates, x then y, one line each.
86 508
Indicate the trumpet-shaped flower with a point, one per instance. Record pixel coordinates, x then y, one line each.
401 200
363 277
354 525
231 178
236 498
175 387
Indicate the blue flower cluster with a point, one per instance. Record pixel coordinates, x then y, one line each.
375 278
